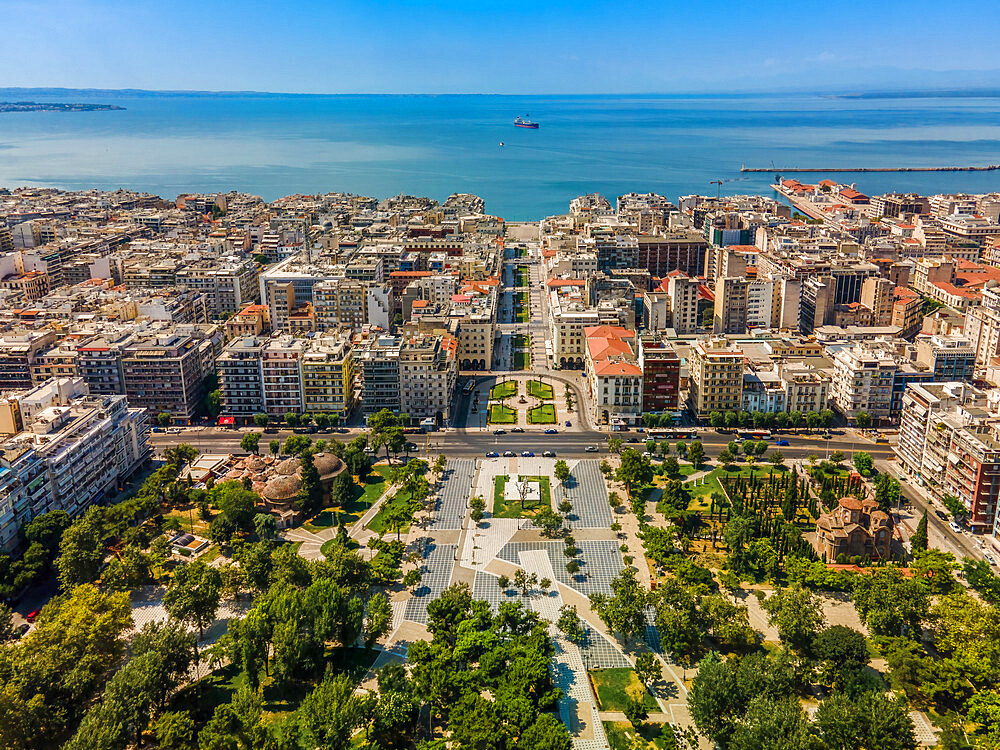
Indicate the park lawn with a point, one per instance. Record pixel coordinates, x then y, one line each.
522 360
502 414
520 314
378 523
503 508
364 498
521 340
522 276
613 686
541 390
544 414
504 389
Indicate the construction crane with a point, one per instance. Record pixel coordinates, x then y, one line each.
720 183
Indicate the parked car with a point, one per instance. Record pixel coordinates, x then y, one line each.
509 454
633 439
781 441
492 454
32 615
517 429
21 630
527 454
500 432
989 558
551 431
955 527
569 423
549 454
591 449
941 514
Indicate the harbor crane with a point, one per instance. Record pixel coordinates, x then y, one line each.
720 183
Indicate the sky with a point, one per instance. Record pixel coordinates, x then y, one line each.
482 46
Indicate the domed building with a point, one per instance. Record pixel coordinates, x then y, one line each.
280 492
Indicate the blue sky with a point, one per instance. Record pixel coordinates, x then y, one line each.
384 46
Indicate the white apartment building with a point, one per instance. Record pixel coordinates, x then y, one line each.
569 316
75 450
281 375
683 292
806 389
614 378
428 369
862 381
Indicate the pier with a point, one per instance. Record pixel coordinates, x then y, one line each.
789 170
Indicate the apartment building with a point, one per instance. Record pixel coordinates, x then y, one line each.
77 450
876 295
281 375
569 316
764 391
982 326
328 375
18 352
379 366
673 250
228 285
806 389
241 378
949 357
715 378
742 304
683 296
428 369
863 382
165 371
661 374
614 378
252 320
973 476
342 302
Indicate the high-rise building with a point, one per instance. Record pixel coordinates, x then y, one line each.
715 378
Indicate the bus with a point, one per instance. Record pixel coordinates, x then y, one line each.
671 433
469 387
755 434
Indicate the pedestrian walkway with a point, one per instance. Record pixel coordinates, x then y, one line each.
453 497
484 543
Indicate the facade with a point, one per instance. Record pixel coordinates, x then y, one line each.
853 529
862 382
715 378
77 450
949 357
328 371
281 375
241 378
378 360
228 286
973 476
742 304
428 369
661 375
806 389
674 250
614 379
683 295
18 353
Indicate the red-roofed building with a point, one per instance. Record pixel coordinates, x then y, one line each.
613 376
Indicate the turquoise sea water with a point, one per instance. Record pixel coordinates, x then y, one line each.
273 145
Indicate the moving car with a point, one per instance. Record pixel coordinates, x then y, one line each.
509 454
492 454
569 423
517 429
551 431
500 432
32 615
591 449
549 454
955 527
781 441
989 558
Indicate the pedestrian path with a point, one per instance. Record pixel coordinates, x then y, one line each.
484 543
453 497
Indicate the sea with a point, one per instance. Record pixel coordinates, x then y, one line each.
278 144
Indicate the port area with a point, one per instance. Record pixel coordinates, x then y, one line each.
987 168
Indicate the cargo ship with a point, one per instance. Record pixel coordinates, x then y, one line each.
524 122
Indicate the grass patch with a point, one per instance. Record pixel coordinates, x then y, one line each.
502 414
521 340
541 390
613 686
544 414
378 523
504 389
522 276
365 496
504 508
522 360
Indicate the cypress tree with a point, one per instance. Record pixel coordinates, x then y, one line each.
919 538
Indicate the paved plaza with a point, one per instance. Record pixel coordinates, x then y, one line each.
436 571
588 493
453 498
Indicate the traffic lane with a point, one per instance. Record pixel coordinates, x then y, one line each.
962 545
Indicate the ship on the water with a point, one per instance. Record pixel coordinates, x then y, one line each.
524 122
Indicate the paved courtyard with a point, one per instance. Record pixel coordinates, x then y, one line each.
453 498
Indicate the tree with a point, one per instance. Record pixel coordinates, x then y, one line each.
732 419
648 669
81 550
953 504
837 457
260 419
411 578
310 497
250 442
163 419
671 467
777 460
322 420
296 444
329 714
863 420
870 721
777 724
919 539
842 651
760 448
606 469
386 432
378 619
725 457
863 463
935 569
889 603
548 521
635 710
714 698
716 419
291 419
615 445
887 491
634 470
696 454
569 623
796 613
175 731
624 612
193 595
561 471
478 505
47 529
275 447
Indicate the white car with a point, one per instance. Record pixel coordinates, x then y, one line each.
955 527
989 558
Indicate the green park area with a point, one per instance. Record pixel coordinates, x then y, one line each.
614 687
522 276
541 390
544 414
380 524
521 360
502 414
504 389
522 307
514 508
365 495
